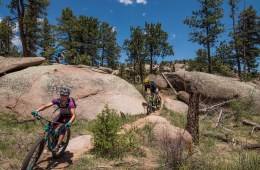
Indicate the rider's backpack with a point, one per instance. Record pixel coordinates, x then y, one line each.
72 99
152 86
67 103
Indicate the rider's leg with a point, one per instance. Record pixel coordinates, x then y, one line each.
57 147
62 133
159 98
60 139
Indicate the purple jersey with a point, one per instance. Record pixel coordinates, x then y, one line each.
70 103
64 110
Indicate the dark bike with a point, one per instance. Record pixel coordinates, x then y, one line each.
153 101
49 137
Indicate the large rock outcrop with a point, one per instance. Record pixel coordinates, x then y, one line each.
172 136
183 96
10 64
28 89
175 106
151 119
216 88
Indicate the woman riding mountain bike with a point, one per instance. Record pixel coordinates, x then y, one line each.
67 113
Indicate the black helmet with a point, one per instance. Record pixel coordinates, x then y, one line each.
65 91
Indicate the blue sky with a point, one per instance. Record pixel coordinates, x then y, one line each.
125 13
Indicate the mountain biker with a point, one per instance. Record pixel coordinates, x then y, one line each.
58 56
153 88
67 113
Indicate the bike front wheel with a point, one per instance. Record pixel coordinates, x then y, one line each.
149 108
34 153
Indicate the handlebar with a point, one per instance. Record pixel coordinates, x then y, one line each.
38 117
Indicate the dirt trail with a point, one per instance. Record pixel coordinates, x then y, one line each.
48 162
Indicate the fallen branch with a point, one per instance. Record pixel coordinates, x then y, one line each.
229 140
219 117
252 146
217 105
255 125
228 129
175 93
218 136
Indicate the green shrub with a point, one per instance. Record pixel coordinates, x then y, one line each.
246 77
239 108
82 59
105 128
107 142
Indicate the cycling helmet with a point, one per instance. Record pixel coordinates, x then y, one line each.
65 91
146 80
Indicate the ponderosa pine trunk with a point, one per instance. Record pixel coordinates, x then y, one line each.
192 125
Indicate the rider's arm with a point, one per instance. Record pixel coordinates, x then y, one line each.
73 115
45 107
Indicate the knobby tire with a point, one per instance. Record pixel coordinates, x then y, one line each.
40 142
149 108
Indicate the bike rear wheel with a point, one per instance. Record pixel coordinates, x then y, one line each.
34 153
64 144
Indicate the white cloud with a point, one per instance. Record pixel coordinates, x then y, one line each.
113 28
17 41
1 19
40 20
173 36
126 2
144 14
16 28
141 2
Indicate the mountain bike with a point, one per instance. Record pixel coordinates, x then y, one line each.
49 138
153 101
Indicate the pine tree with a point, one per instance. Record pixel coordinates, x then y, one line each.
28 13
234 8
6 36
81 35
47 40
92 40
113 50
103 41
156 43
206 25
108 47
249 38
200 62
135 47
224 54
66 33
